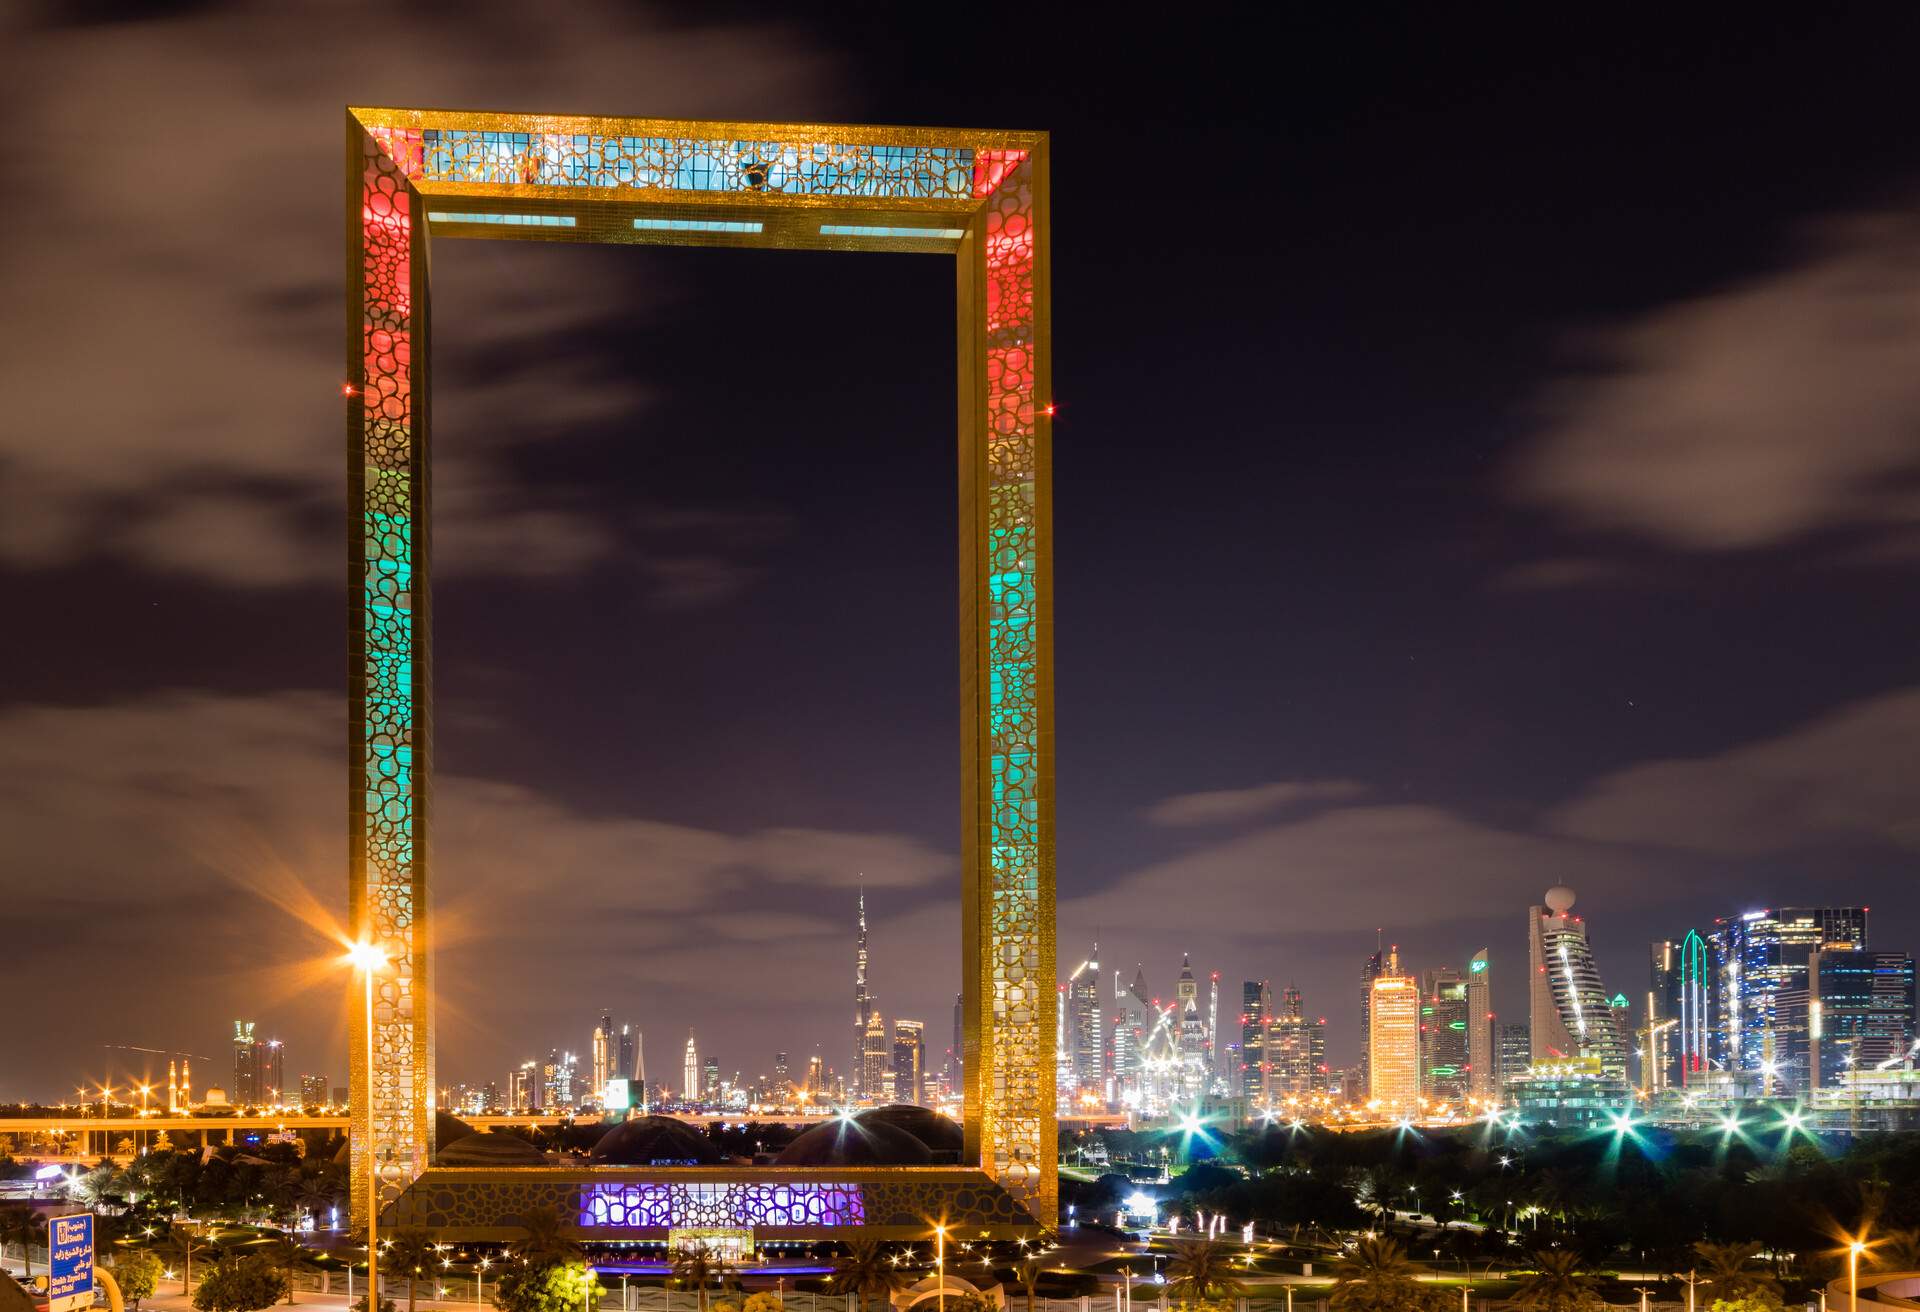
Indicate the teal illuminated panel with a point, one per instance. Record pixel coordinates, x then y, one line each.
511 220
698 225
568 159
865 230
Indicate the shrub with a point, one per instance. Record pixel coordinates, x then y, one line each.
139 1275
241 1284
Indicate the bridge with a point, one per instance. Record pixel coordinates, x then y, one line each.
89 1138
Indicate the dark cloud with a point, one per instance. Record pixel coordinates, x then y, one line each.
188 168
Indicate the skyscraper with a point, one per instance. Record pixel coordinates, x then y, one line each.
1393 1039
627 1063
1368 974
1086 1028
1444 1016
1571 1014
1850 1008
909 1061
1483 1065
521 1094
1764 954
690 1071
1515 1053
1256 1009
958 1056
558 1080
605 1050
1192 1033
314 1090
862 1000
259 1067
876 1059
1296 1052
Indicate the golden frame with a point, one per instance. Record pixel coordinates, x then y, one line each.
981 197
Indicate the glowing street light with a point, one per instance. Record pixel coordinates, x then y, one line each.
1854 1250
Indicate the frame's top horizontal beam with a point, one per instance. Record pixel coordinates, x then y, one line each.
852 134
532 155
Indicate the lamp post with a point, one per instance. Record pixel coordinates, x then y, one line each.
367 958
940 1262
1853 1275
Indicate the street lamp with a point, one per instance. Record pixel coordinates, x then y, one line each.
940 1261
369 960
1854 1250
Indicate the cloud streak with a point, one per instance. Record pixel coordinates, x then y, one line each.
1771 410
185 415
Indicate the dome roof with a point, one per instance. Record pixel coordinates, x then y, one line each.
448 1128
1560 899
848 1142
490 1150
655 1141
939 1133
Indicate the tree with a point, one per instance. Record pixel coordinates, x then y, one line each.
698 1266
549 1238
22 1226
1201 1269
240 1284
1729 1269
1557 1284
763 1302
138 1273
288 1254
546 1287
191 1245
1377 1276
1747 1303
409 1253
864 1271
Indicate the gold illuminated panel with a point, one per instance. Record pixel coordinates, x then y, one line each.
979 198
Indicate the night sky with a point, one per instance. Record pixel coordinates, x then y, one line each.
1488 457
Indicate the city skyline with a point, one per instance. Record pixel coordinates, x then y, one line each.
1340 1019
1469 602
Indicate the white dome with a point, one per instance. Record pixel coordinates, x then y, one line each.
1560 899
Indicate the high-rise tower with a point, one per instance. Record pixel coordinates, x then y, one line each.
690 1071
1368 974
1086 1028
1192 1033
604 1052
1483 1066
1393 1038
862 1002
1571 1013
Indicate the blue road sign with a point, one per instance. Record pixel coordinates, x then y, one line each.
70 1262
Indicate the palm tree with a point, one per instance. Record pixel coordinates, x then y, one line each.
865 1271
1728 1269
22 1225
1557 1284
1028 1270
1200 1268
288 1254
699 1266
1377 1276
549 1237
411 1253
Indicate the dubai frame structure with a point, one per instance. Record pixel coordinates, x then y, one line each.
979 197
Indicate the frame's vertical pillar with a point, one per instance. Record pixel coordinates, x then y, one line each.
1006 633
389 690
